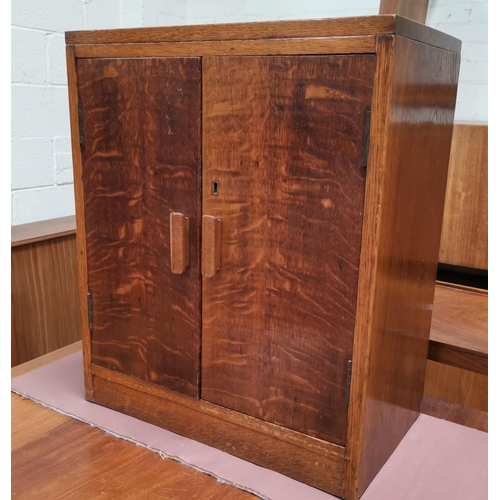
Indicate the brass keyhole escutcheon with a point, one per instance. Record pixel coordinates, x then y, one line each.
215 188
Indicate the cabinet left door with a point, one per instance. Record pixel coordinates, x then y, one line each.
140 122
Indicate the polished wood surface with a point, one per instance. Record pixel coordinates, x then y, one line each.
44 292
452 412
211 245
296 455
464 239
459 331
346 26
456 385
411 9
406 182
56 457
277 322
140 162
25 234
73 101
307 45
179 242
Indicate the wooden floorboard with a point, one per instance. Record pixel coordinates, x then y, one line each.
57 457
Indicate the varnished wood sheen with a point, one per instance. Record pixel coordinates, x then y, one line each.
301 457
456 385
141 122
56 457
80 217
326 45
452 412
179 242
406 182
278 319
319 252
44 292
211 246
346 26
464 239
411 9
25 234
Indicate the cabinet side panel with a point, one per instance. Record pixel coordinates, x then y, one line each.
141 124
283 137
408 167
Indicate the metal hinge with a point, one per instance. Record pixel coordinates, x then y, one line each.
366 141
348 382
90 307
80 123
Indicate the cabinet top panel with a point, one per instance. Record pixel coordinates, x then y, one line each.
341 27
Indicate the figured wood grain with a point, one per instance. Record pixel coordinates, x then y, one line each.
179 242
306 459
25 234
284 138
456 385
411 9
56 457
211 228
141 121
406 182
80 216
44 292
347 26
464 239
452 412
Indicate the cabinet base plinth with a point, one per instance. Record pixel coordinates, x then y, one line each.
301 457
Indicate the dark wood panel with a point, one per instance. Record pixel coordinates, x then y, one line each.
24 234
452 412
284 136
346 26
464 239
45 306
317 463
411 9
56 457
140 157
406 182
456 385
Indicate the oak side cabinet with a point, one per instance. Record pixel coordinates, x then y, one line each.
259 209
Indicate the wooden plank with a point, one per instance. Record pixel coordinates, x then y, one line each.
346 26
304 458
399 251
459 332
290 201
411 9
46 359
44 291
464 239
456 385
336 45
139 167
26 234
80 215
452 412
54 456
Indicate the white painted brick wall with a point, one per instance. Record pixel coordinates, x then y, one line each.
42 176
41 160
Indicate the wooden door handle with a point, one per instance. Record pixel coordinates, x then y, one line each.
210 245
179 242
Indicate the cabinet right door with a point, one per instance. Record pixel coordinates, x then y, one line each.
283 143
